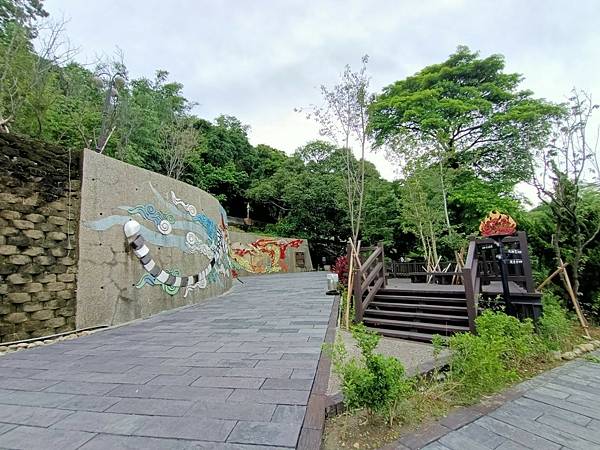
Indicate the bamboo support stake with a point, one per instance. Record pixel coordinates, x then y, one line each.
547 280
567 281
356 255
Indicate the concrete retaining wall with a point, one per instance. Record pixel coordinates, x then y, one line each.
184 228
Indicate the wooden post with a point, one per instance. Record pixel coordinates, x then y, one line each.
350 286
573 296
526 261
380 243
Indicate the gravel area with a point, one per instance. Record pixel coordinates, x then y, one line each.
416 356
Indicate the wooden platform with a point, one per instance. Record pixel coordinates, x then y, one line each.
492 289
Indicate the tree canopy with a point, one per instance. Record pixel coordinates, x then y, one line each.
468 111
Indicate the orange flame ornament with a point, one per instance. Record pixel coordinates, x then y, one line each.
496 224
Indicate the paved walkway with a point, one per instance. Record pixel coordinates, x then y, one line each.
557 410
233 373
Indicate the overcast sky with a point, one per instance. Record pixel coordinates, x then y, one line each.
259 59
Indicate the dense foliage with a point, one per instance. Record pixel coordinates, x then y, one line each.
463 131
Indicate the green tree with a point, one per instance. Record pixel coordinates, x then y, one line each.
568 183
466 112
25 13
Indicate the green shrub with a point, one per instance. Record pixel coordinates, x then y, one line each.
486 362
375 382
516 339
555 328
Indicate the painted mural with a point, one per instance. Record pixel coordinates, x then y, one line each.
265 255
174 223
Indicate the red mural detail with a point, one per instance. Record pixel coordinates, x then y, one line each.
268 247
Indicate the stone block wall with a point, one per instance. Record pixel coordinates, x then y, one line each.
39 210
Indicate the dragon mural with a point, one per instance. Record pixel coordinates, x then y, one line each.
174 223
265 255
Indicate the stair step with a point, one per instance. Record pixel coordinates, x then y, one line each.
394 305
402 334
413 325
371 312
418 298
425 292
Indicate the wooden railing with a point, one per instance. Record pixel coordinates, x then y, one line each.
472 283
519 266
369 277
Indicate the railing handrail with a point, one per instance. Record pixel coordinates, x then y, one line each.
472 283
369 277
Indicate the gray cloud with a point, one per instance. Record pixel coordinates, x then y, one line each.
259 59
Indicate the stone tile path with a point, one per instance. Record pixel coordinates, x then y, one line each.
232 373
557 410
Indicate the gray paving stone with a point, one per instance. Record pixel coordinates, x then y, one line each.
172 392
481 435
263 372
25 384
101 422
542 430
34 438
4 427
554 411
288 414
260 433
89 403
572 428
458 440
107 441
81 387
584 410
303 374
516 434
229 382
232 411
226 446
290 363
274 396
13 372
43 399
186 428
435 446
94 377
511 445
152 407
174 380
31 415
299 384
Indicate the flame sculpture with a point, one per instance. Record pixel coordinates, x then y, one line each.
496 224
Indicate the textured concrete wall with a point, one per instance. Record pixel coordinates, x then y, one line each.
255 254
184 227
39 204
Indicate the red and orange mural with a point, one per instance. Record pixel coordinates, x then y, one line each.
265 255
